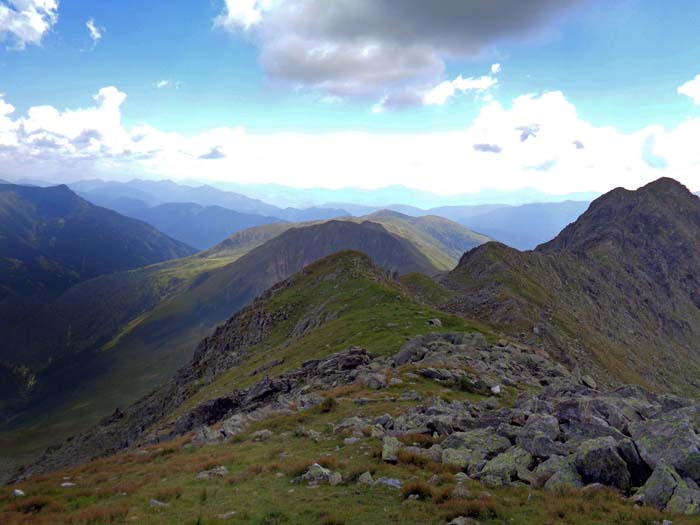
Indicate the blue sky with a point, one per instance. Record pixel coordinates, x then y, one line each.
244 76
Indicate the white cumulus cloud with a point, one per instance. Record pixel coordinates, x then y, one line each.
26 22
691 89
445 90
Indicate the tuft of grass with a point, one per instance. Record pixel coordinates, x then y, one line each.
418 488
482 508
328 405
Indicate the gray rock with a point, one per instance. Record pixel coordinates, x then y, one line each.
335 478
373 381
598 461
670 438
589 382
155 504
351 441
460 457
558 472
509 466
388 482
261 435
390 449
365 479
660 487
463 520
18 493
217 472
410 395
486 442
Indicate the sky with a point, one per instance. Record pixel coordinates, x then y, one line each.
451 96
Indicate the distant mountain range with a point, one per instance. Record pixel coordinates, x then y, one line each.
128 197
198 226
522 227
391 196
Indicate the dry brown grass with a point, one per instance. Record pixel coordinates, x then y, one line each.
95 515
35 505
421 489
245 474
480 508
168 494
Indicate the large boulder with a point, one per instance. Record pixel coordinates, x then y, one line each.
670 439
511 465
598 461
484 441
660 487
558 472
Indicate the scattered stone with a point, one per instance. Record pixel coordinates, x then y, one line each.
261 435
589 382
226 515
365 479
435 323
318 474
373 381
461 477
155 504
351 440
67 484
388 482
463 520
18 493
217 472
496 390
410 395
390 449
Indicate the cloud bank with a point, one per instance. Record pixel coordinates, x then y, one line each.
536 140
381 49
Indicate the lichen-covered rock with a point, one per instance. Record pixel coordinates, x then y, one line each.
390 449
670 438
660 487
558 472
484 441
598 461
508 466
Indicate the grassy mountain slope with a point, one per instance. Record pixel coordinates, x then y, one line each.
50 239
617 291
339 301
138 338
442 240
331 306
